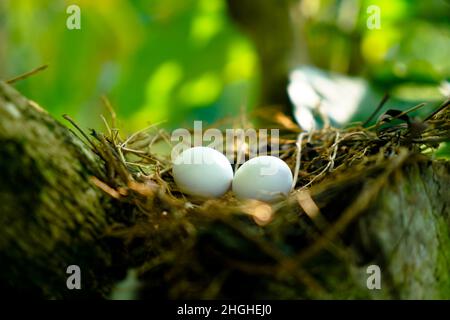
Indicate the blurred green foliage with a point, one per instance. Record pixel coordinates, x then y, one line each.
179 60
412 45
155 60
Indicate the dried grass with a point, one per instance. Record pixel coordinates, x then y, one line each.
189 248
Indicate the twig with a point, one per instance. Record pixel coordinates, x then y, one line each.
108 106
444 105
106 125
107 189
72 122
420 105
333 156
27 74
138 132
361 203
377 109
298 143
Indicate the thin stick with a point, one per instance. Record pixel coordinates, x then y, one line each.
317 176
72 122
298 157
27 74
377 109
103 186
154 139
138 165
356 208
420 105
165 137
140 152
106 124
441 107
333 156
138 132
108 106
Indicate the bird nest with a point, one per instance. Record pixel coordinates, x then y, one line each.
304 246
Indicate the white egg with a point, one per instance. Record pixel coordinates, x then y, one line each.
264 178
202 172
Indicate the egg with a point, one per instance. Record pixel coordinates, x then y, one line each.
203 172
264 178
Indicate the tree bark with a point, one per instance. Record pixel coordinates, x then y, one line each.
268 24
401 225
408 232
51 216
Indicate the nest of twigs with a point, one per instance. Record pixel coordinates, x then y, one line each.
300 247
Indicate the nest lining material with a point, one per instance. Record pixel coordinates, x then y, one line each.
195 246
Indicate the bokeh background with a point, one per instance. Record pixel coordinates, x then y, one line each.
179 60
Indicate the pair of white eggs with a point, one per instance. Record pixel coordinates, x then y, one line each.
207 173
